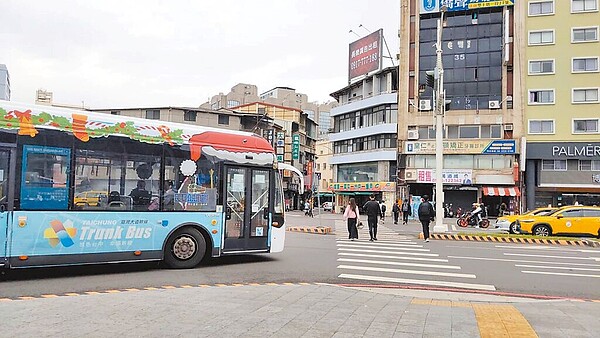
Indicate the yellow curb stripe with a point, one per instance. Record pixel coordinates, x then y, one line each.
288 283
237 284
150 288
271 284
501 321
49 296
304 283
5 300
26 298
186 286
132 289
71 294
169 287
92 293
221 285
254 284
113 291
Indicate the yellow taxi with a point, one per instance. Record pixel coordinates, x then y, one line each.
90 198
571 220
508 223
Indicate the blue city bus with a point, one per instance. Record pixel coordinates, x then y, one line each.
80 188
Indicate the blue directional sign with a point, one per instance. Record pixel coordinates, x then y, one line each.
433 6
501 147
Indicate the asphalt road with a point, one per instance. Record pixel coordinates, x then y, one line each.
398 258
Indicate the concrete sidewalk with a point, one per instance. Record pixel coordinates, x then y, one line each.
294 310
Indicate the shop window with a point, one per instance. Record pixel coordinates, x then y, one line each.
554 165
589 165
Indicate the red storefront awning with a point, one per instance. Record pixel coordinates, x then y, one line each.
501 191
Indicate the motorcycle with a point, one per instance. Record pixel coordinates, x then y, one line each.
459 212
468 220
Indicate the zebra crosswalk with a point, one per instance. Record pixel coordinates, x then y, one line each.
397 259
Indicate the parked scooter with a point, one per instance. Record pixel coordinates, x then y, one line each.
459 212
473 218
448 212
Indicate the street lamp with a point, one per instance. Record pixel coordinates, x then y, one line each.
440 102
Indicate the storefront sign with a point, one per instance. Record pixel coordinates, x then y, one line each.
563 150
295 146
449 176
463 147
362 186
501 147
433 6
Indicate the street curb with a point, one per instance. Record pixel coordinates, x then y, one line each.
313 230
582 242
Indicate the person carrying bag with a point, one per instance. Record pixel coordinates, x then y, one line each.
352 216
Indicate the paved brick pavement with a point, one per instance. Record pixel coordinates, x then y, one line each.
294 311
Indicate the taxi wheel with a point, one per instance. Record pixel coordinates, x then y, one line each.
512 228
542 230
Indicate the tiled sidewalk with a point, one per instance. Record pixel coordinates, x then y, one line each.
290 311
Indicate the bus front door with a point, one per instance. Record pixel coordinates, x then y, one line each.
247 202
7 182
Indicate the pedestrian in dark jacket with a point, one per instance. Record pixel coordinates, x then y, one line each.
396 212
371 208
406 211
426 215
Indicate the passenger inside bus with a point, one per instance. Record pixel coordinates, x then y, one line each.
141 197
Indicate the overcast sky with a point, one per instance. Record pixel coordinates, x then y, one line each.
146 53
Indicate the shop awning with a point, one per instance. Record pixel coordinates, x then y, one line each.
501 191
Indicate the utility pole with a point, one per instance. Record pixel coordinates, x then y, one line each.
440 103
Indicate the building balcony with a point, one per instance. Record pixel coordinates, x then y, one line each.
364 156
365 103
388 128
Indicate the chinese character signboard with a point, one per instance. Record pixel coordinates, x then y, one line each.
463 147
362 186
295 146
449 176
433 6
365 55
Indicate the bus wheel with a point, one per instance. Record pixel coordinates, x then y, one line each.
185 248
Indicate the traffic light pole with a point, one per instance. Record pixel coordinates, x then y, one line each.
440 101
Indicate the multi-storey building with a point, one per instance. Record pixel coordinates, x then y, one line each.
364 139
562 110
295 145
483 121
4 83
324 169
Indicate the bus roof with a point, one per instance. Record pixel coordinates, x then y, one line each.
85 125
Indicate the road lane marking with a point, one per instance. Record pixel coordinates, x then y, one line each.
560 274
404 271
377 246
393 257
544 256
453 267
554 267
389 252
541 248
521 261
410 243
500 320
421 282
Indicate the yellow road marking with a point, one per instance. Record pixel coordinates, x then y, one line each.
204 285
186 286
501 321
272 284
221 285
26 298
132 289
5 300
254 284
237 284
71 294
150 288
92 293
168 287
49 296
288 283
113 291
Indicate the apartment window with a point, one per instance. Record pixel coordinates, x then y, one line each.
541 8
153 114
115 112
589 165
468 131
232 103
223 119
541 96
426 133
585 95
585 65
584 34
491 131
584 6
538 67
585 126
554 165
190 116
541 126
541 37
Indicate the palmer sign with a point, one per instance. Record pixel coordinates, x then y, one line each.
564 150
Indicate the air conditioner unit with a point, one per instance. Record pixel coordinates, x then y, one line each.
494 105
508 126
413 134
424 105
410 175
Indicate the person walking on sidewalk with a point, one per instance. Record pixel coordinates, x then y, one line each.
406 211
426 215
383 209
396 212
371 208
352 217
